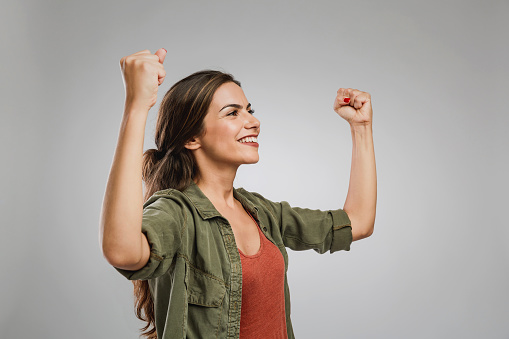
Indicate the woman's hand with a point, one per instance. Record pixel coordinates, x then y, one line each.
357 107
143 72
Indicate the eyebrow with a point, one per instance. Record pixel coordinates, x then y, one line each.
235 106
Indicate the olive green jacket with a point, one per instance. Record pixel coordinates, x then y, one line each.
194 270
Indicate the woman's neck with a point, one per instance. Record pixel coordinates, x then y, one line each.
217 187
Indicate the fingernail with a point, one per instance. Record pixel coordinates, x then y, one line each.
347 100
165 50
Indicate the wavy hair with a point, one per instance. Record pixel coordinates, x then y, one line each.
170 164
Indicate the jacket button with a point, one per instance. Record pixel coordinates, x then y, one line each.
265 229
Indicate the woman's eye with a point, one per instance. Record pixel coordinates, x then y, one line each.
237 112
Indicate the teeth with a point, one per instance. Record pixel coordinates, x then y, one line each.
248 139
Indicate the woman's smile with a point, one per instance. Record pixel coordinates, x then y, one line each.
230 117
250 141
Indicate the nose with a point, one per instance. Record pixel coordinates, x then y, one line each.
251 122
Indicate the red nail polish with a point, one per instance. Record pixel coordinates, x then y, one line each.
165 50
347 100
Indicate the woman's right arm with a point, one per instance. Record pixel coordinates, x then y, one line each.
123 244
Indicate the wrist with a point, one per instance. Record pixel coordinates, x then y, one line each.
135 108
361 128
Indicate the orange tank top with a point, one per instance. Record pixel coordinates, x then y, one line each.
263 300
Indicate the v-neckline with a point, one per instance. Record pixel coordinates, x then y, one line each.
259 252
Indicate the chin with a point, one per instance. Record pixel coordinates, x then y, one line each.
251 161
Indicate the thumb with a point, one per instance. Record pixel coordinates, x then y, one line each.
161 53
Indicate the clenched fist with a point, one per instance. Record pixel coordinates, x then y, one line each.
354 106
143 72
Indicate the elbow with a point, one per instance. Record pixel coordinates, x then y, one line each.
369 231
362 230
112 256
362 222
361 233
369 228
119 258
120 250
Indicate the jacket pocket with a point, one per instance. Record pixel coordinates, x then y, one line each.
204 289
205 296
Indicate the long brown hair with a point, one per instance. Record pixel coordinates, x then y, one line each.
170 164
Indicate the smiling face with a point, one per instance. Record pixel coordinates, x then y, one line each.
228 122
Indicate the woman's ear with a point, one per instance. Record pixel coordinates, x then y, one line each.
193 144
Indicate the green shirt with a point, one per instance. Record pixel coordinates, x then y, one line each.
194 270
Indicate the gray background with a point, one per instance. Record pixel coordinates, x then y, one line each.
437 264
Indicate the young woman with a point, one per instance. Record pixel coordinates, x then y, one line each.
209 260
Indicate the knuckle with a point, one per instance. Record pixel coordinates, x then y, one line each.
129 59
145 66
136 62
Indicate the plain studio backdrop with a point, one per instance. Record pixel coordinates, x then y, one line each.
437 265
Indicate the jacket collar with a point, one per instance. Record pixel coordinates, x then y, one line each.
205 207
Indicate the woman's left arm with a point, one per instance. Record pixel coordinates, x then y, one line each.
360 204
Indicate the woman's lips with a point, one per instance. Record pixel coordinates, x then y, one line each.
254 144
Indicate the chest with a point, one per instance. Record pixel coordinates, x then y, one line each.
246 232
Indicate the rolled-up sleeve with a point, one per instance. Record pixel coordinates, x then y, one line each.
322 231
162 224
341 231
304 228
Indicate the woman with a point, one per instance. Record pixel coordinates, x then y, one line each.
209 260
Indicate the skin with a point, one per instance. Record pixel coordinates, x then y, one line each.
218 154
123 245
360 203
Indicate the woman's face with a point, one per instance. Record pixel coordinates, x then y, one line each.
228 122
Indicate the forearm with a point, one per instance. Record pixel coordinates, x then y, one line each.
122 209
360 203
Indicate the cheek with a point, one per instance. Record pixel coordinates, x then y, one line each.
221 137
226 133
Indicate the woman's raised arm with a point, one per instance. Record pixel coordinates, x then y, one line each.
360 204
123 243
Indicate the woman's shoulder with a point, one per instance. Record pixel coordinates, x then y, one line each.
251 195
257 199
165 197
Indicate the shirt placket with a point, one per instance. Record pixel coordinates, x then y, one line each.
234 310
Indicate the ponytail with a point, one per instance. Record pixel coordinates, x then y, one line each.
168 169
